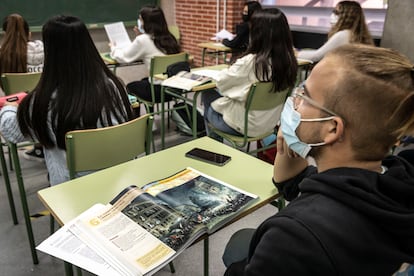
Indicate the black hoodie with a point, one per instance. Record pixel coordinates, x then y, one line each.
346 221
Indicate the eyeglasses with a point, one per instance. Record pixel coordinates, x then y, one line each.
299 95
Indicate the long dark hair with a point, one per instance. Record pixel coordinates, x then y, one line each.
271 42
156 25
252 6
76 86
13 51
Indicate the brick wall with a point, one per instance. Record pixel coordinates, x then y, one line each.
197 22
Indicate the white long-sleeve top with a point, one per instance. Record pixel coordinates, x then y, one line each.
338 39
142 47
35 56
234 84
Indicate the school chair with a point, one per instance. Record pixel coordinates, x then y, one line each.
19 82
13 83
122 143
175 31
158 67
262 97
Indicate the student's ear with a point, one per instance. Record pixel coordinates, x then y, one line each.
334 131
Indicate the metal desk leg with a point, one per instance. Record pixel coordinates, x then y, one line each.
203 53
162 117
194 115
23 198
206 257
7 184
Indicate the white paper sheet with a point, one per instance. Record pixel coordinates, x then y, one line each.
117 34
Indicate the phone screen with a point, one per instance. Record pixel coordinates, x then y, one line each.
208 156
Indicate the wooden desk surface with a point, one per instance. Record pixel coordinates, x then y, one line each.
206 86
112 62
216 46
69 199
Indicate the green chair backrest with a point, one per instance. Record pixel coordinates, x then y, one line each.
19 82
95 149
159 64
263 97
175 31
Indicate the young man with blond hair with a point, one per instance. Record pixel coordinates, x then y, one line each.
352 214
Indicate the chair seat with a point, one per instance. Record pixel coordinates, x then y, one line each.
262 96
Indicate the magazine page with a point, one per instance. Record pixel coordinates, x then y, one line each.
117 34
213 74
138 232
64 245
186 80
201 198
121 238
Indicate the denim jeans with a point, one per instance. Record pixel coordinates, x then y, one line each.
213 117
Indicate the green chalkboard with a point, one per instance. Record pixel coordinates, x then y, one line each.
92 12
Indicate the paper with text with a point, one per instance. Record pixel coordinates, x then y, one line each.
65 245
117 34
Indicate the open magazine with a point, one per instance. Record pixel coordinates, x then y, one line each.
142 229
186 80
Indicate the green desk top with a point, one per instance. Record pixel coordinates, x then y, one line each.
69 199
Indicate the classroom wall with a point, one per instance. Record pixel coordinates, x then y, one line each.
196 20
398 27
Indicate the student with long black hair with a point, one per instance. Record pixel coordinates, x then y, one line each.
76 91
240 41
153 39
269 57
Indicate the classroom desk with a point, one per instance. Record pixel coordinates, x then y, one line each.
303 64
112 63
197 90
215 48
67 200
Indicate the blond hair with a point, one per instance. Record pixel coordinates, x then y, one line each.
351 17
375 97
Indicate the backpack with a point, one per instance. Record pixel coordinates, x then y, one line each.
183 122
177 67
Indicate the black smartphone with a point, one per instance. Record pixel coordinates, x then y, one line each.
208 156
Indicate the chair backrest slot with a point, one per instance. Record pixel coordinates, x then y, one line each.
19 82
95 149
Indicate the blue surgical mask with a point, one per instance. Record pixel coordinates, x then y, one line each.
140 27
289 122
